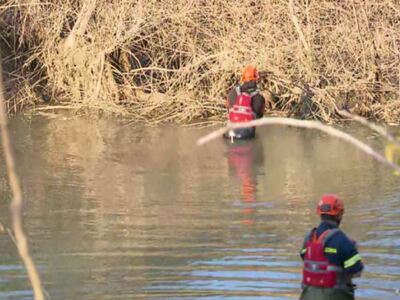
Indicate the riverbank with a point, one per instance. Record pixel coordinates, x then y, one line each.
174 61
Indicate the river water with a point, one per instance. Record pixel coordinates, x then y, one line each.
114 211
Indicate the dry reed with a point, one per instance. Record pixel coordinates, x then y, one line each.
175 60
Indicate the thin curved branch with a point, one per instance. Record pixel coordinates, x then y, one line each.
16 203
303 124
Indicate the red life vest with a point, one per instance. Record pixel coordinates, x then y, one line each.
242 111
317 270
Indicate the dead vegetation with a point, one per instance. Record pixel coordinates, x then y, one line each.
175 60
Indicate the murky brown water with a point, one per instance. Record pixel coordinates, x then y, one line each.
117 212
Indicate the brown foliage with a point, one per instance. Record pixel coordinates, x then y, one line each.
175 60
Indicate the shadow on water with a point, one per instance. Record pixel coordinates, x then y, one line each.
116 212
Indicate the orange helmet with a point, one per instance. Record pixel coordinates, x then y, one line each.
249 73
330 205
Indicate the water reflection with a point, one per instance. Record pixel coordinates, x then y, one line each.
117 212
245 159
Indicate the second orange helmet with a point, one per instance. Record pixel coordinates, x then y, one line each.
249 73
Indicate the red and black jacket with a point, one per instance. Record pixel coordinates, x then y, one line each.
258 100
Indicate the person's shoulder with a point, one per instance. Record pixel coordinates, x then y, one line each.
259 96
337 233
232 95
340 238
342 234
309 233
233 90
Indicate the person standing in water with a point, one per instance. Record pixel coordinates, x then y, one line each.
245 103
331 259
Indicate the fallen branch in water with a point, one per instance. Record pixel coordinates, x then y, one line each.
303 124
16 203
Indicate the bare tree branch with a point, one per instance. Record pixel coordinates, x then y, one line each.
16 203
81 23
303 124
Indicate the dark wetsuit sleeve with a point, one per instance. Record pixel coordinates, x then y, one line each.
341 251
352 259
258 105
231 98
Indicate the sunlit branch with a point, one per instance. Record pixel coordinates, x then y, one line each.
303 124
16 203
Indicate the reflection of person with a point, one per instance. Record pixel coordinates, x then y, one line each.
243 159
245 103
331 259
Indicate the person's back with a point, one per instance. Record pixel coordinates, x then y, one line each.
331 259
245 103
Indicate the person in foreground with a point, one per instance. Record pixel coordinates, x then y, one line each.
245 103
331 259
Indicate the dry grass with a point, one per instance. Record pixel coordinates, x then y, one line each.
174 60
